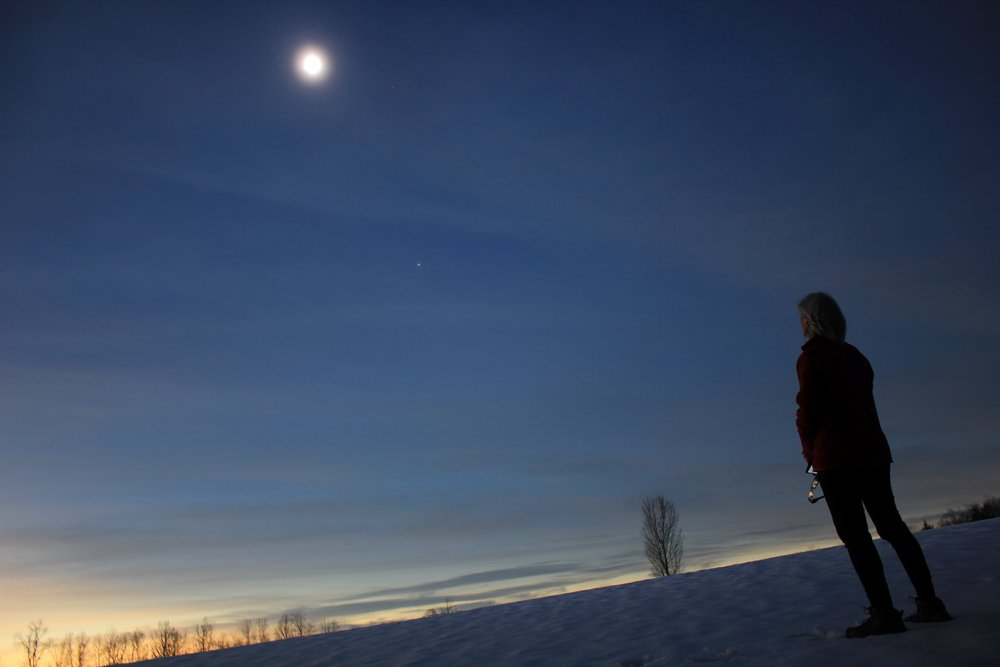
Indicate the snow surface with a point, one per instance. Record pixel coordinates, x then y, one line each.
790 610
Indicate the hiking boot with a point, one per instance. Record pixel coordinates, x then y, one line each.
880 622
930 610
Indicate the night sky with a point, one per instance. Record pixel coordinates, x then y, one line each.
432 327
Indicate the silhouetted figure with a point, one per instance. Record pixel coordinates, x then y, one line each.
843 442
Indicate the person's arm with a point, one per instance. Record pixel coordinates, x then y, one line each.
808 416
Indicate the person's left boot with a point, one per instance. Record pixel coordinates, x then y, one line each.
929 610
879 622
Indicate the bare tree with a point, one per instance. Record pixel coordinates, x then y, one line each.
32 643
80 653
62 653
301 625
446 608
204 636
283 628
111 647
167 640
260 631
135 645
245 629
328 625
252 631
662 537
70 651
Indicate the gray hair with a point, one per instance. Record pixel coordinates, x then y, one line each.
823 317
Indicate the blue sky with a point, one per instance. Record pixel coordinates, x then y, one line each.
434 328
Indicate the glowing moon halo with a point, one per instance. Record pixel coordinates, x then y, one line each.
312 64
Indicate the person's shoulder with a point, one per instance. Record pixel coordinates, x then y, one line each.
857 356
852 350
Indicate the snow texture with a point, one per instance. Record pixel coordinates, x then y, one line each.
785 611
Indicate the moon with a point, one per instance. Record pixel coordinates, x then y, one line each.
312 64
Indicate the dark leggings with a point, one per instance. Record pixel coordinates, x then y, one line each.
851 491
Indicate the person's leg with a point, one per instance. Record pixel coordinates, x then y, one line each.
881 506
844 498
876 490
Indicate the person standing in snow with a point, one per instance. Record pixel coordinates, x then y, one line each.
843 442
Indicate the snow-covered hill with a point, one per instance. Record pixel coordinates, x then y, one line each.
789 611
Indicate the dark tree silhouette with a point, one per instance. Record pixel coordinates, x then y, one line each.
661 536
204 636
246 633
300 624
328 625
167 640
80 654
283 628
111 648
446 608
32 643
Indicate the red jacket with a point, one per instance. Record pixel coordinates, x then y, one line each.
836 419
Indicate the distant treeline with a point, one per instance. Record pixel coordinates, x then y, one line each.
119 648
988 509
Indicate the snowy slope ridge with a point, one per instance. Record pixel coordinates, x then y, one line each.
790 610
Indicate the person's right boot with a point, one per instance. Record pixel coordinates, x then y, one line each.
879 622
